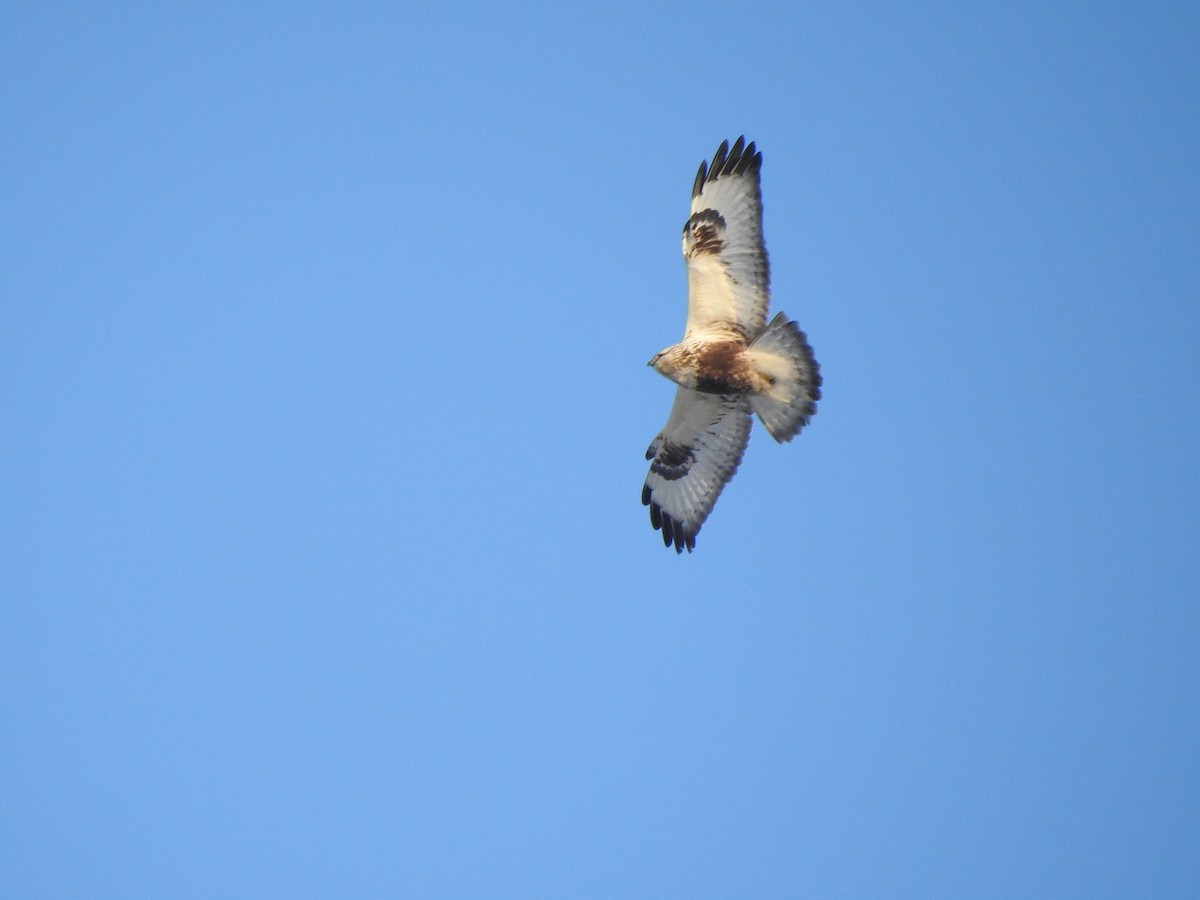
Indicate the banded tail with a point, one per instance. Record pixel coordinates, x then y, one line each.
782 355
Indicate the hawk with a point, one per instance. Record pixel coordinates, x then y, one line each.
731 362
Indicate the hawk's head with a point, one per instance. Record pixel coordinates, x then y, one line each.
676 363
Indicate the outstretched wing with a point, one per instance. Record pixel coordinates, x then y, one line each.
729 281
694 456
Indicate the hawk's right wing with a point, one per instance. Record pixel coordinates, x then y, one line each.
694 456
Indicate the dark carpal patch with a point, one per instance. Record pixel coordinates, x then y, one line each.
672 461
706 228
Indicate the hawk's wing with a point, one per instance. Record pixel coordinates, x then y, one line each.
729 280
694 456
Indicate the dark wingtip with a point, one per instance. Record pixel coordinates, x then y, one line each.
718 161
674 534
738 160
735 155
698 184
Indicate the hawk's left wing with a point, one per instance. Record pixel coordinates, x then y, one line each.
729 279
694 456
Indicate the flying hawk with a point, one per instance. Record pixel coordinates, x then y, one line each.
730 362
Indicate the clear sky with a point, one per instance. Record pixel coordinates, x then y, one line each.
323 332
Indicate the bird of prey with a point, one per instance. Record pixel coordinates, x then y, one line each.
731 362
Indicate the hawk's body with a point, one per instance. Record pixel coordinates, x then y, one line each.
730 362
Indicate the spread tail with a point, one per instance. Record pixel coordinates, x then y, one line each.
782 356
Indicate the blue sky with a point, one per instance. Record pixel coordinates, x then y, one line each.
322 340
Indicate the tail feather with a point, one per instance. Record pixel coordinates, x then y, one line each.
782 355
